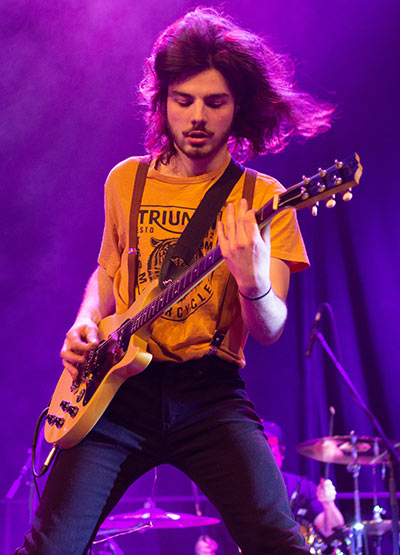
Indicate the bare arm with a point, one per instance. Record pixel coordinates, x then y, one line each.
330 516
97 302
247 253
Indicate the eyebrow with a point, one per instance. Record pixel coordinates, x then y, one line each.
214 96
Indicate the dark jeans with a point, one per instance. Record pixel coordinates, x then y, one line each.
195 416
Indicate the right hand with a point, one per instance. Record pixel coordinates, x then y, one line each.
81 338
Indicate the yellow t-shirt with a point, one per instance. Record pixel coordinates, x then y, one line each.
185 330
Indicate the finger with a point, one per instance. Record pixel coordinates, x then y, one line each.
222 239
251 228
73 357
231 225
82 339
245 224
71 369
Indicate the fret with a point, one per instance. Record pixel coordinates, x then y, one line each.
183 280
203 266
160 303
177 288
167 293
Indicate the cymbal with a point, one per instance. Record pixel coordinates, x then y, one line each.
377 527
373 527
339 449
155 518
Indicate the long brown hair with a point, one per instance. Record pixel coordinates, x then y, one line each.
269 108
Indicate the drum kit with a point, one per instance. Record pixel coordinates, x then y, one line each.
351 450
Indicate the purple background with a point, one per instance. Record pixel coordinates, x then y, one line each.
69 73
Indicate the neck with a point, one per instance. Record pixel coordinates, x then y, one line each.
181 165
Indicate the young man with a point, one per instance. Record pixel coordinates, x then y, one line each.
211 90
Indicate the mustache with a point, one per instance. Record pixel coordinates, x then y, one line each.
198 129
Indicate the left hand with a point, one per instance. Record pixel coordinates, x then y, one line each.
246 252
326 491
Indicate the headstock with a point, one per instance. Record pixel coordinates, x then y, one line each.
341 177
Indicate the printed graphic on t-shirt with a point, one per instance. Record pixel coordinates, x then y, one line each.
159 228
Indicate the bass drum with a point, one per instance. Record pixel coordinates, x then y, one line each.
319 545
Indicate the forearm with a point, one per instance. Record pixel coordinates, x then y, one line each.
328 519
98 298
265 318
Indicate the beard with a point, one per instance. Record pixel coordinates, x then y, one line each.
198 152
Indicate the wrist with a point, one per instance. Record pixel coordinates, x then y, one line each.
255 297
88 316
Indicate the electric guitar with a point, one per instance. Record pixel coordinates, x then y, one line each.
77 405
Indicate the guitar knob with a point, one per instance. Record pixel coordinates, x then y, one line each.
73 411
50 419
348 195
59 422
331 203
64 405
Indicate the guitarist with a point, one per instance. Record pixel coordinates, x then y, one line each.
212 91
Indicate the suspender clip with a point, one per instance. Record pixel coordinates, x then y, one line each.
216 342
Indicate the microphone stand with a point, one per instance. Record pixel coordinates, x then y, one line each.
394 455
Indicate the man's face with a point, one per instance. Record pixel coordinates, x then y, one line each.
200 112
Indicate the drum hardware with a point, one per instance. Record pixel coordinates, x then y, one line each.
356 451
339 449
153 517
149 517
391 455
354 468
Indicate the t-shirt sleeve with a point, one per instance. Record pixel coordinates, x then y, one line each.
287 242
110 253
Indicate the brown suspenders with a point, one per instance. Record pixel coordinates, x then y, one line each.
137 194
230 289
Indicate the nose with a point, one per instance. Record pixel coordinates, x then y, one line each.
198 112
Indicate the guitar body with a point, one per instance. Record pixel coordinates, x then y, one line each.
75 409
77 405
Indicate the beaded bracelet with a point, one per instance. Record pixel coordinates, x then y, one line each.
255 298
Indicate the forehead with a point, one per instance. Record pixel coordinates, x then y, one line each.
206 83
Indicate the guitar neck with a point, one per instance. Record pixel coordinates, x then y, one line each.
337 178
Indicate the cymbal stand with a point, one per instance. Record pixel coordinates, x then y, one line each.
394 456
377 517
354 468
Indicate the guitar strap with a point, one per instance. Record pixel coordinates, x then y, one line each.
180 256
229 297
137 193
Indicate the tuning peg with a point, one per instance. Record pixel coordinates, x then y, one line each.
347 195
338 164
314 209
337 180
306 180
322 172
331 203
